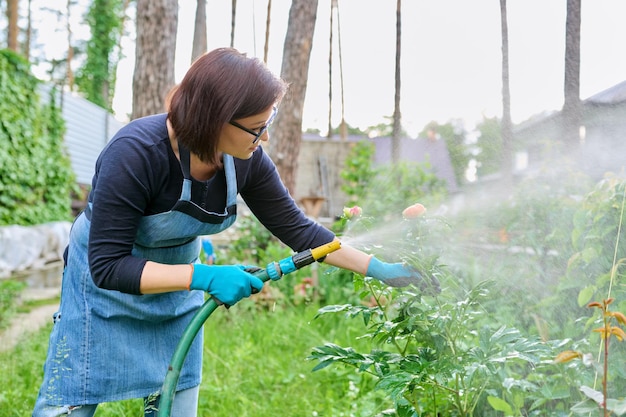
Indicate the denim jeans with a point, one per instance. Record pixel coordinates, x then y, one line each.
185 404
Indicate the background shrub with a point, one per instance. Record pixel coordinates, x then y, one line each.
36 178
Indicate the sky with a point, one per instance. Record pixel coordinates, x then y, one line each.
450 62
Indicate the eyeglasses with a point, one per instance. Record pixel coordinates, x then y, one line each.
262 130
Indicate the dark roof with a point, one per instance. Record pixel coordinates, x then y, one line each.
610 97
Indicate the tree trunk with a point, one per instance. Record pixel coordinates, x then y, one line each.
12 16
266 46
506 124
329 135
69 73
572 107
157 22
199 46
397 116
29 31
287 131
233 15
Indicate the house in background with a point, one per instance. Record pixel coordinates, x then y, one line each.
602 136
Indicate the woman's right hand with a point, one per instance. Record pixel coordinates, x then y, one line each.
226 283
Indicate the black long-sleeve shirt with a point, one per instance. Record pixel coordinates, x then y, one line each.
138 174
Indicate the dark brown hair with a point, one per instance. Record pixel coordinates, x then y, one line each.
221 85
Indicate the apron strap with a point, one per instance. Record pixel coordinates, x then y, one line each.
185 161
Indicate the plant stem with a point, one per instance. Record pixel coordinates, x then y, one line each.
377 296
607 329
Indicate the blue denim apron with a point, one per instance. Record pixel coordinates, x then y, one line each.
107 345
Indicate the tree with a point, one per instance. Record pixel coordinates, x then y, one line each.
233 15
397 117
287 132
507 126
383 129
453 133
155 51
96 79
29 31
69 73
489 145
333 3
571 115
12 15
267 31
199 46
343 128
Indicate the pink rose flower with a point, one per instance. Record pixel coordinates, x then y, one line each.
350 212
414 211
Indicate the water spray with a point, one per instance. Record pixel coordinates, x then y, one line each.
273 270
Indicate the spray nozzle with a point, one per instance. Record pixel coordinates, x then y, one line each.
275 270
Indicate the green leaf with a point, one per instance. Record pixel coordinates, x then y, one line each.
332 309
499 404
584 296
585 407
36 172
593 394
616 406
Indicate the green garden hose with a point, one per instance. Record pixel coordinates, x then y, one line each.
273 270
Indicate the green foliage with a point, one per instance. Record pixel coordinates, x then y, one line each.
249 242
453 133
96 79
489 146
350 130
21 375
9 296
598 236
433 357
523 244
595 269
259 367
358 172
611 328
36 178
385 191
395 187
383 129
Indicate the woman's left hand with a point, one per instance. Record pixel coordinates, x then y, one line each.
401 275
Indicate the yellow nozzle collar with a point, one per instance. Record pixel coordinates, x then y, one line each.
324 250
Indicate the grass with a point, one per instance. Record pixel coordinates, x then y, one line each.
20 374
254 365
9 294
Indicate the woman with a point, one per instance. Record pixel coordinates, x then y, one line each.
132 279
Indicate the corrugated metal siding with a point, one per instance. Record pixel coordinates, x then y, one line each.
88 129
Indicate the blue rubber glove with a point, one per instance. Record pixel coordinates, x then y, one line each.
226 283
401 275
